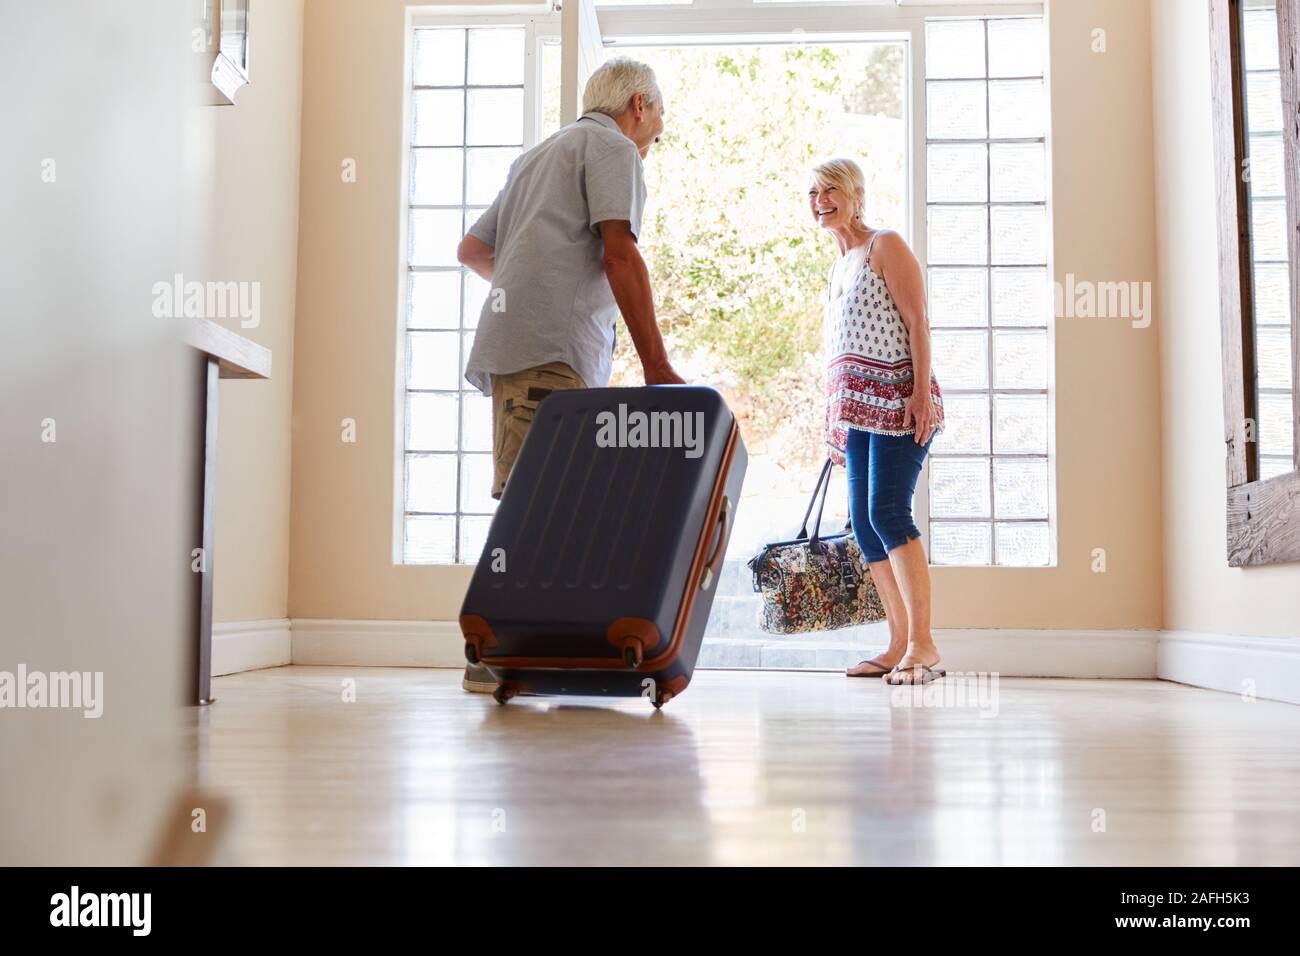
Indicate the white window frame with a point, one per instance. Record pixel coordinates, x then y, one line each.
705 21
990 390
539 25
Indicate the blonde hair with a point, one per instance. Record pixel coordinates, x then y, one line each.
612 85
846 176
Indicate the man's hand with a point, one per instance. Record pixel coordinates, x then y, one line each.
662 374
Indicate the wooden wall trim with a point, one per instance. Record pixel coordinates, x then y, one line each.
1263 517
1234 241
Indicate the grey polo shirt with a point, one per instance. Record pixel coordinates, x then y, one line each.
550 300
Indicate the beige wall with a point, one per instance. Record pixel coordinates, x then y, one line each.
1107 390
1201 592
255 193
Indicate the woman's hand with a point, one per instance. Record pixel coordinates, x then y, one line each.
919 411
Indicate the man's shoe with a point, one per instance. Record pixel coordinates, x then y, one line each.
478 679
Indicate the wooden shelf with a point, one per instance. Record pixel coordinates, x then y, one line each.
238 357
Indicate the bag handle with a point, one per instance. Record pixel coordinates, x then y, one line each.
823 478
823 486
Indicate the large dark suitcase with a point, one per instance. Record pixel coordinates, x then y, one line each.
603 558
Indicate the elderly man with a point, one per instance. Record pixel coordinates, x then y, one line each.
559 246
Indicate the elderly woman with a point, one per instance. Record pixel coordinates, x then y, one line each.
877 424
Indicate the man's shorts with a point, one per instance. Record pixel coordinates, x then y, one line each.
514 400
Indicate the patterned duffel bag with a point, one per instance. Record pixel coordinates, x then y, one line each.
814 583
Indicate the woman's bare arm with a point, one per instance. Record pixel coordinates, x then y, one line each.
894 260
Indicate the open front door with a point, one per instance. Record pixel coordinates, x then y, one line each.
582 50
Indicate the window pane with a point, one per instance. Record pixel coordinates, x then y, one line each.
954 48
1263 102
496 56
957 172
439 57
476 427
436 176
430 422
1020 359
958 235
496 117
964 543
1272 467
473 536
956 110
429 540
435 234
1267 176
476 293
487 173
1272 297
1016 47
1017 109
1020 424
959 487
430 483
476 478
1259 39
439 118
1023 545
1019 172
1020 487
961 359
1275 425
1019 235
433 300
1268 229
966 426
1021 297
1273 357
959 297
432 360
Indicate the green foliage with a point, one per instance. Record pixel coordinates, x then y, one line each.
737 263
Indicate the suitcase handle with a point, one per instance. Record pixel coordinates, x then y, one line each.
710 566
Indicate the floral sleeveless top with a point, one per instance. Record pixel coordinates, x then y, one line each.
869 361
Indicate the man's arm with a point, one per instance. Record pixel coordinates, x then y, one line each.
630 280
476 254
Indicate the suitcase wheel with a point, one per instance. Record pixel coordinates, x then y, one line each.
661 698
502 694
471 653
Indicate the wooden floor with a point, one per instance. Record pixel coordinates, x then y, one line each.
749 768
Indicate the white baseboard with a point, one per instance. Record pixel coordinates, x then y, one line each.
1266 667
250 645
1043 652
378 643
1214 661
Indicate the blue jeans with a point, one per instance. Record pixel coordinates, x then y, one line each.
882 472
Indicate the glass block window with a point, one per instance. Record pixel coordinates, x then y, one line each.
990 297
1265 184
467 123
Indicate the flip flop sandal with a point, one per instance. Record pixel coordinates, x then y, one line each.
929 673
880 673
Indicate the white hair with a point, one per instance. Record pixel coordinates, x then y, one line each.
613 84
